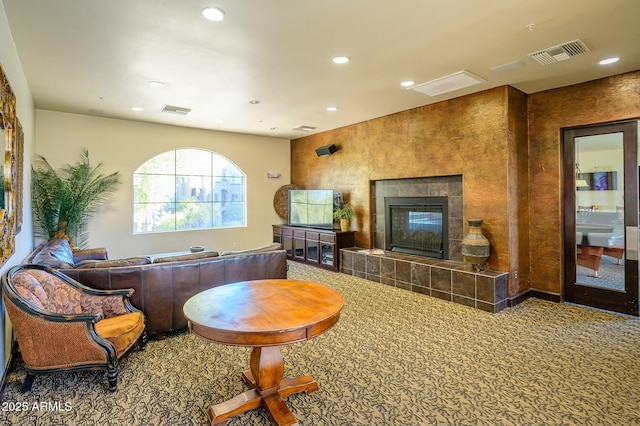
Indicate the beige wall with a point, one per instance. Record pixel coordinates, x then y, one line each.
124 145
25 111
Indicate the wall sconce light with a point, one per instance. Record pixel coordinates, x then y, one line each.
326 150
273 175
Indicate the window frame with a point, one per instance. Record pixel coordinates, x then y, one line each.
205 202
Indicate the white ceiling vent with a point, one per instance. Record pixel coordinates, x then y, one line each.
304 128
176 110
560 52
452 82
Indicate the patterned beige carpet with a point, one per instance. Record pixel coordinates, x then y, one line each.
394 358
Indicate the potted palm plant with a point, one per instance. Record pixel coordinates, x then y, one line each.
343 214
65 199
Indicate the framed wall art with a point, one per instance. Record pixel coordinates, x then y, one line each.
9 165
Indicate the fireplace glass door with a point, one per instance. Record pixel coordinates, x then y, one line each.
417 225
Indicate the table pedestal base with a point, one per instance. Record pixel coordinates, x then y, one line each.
268 391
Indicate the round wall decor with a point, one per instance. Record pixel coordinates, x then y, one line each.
281 200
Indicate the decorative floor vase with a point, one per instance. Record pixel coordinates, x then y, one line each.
475 247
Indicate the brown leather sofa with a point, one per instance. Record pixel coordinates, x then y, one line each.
162 287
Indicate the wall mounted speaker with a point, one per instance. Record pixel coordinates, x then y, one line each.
323 151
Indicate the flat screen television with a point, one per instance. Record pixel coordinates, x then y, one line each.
311 208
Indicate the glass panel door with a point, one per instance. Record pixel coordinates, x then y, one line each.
600 211
601 216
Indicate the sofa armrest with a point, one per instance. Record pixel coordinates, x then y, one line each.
90 254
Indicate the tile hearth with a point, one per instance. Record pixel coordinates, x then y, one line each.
445 279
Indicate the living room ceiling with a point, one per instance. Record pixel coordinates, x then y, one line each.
267 68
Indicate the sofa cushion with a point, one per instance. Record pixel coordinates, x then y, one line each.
54 254
268 247
99 253
131 261
45 258
189 256
61 250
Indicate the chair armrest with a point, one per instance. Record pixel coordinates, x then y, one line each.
90 254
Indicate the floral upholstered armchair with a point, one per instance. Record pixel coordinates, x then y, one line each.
62 325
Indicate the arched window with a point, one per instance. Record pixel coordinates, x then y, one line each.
187 189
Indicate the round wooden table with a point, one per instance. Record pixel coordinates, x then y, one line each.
264 314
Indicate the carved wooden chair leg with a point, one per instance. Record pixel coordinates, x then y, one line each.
28 382
143 341
112 378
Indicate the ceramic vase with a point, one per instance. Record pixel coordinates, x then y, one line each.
475 246
344 225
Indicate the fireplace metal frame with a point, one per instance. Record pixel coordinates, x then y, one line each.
417 202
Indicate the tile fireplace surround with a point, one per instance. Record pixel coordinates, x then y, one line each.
445 279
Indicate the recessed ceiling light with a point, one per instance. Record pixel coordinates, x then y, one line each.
135 108
407 83
609 61
156 84
332 108
219 120
340 59
254 102
213 14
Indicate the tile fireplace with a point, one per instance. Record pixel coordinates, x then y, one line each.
446 190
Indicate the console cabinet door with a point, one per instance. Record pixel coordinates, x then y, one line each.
287 241
327 253
299 244
312 251
328 249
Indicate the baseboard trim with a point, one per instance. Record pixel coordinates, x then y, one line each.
538 294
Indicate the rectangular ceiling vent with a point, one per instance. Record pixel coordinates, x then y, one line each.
304 128
447 84
560 52
176 110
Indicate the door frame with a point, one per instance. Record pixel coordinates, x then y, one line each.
627 301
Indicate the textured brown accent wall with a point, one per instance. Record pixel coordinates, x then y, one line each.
505 144
466 136
610 99
519 248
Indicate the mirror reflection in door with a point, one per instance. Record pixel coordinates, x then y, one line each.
599 208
